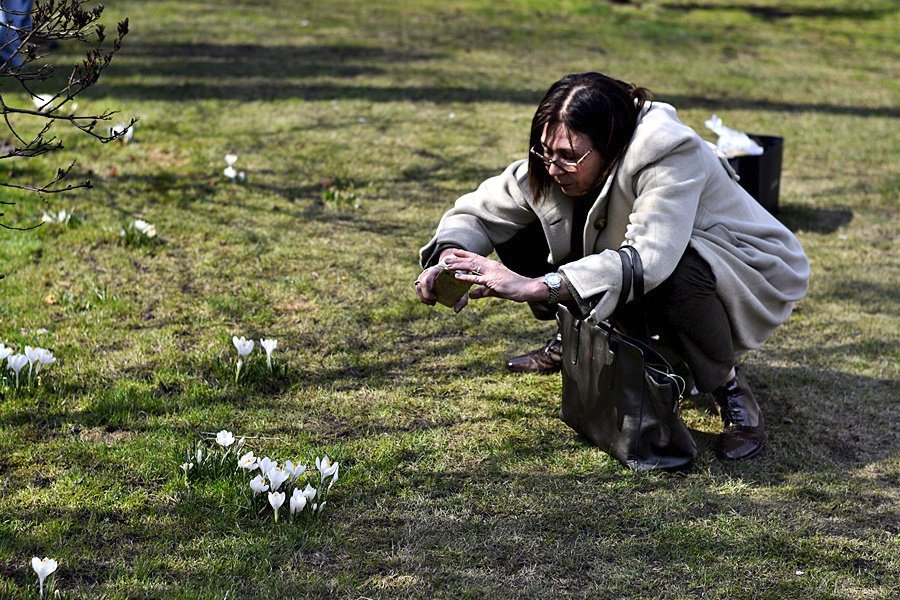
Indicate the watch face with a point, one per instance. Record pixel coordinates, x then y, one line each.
554 279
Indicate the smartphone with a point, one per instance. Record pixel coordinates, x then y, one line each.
449 289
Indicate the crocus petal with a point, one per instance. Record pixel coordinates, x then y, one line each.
276 499
298 501
42 102
266 464
277 477
243 345
16 362
309 492
43 566
224 438
257 484
247 461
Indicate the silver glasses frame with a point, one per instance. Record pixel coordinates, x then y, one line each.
565 165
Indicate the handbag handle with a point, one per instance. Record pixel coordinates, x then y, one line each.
627 277
632 276
637 272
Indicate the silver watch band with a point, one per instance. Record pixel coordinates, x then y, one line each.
553 282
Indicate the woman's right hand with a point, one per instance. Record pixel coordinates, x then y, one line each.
425 285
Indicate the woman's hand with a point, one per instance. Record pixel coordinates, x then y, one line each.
494 279
425 289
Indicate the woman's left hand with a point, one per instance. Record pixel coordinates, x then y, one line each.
494 279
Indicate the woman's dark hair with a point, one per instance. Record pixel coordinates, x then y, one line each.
603 108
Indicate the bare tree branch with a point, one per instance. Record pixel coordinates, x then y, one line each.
22 51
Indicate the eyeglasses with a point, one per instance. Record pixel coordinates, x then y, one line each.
565 165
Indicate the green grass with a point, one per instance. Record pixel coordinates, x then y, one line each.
457 479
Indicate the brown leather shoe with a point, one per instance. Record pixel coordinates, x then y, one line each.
545 360
745 432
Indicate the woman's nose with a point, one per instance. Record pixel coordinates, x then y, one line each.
554 170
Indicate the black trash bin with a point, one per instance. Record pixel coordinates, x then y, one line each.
761 175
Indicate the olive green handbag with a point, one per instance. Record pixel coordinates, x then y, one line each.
620 393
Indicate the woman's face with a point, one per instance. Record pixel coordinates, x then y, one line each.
566 145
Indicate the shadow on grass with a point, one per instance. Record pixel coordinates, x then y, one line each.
867 296
199 195
724 103
799 217
189 72
774 13
479 530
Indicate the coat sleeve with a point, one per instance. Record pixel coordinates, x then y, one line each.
666 196
484 218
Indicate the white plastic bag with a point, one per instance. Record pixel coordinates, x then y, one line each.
731 142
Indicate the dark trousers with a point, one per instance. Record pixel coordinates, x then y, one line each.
684 310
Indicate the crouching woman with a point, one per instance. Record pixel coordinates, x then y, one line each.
607 167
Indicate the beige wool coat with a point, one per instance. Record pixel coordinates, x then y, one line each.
669 190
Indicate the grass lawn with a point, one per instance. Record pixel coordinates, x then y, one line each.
357 124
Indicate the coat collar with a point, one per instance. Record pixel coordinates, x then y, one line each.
555 214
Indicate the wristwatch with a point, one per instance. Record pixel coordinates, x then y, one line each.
554 282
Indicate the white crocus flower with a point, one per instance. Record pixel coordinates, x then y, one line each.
43 102
247 462
309 492
47 217
147 229
277 477
230 172
34 356
187 467
276 499
244 346
269 346
334 477
293 470
258 484
122 132
45 359
325 466
16 362
298 502
224 438
4 351
322 506
43 567
266 464
199 454
230 159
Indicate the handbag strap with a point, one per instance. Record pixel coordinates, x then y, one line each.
627 277
637 272
632 276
